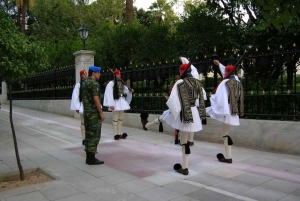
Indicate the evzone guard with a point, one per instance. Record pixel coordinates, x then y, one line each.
227 103
187 107
162 118
76 101
117 97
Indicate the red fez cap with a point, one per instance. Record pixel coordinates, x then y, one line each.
184 66
116 72
229 70
82 72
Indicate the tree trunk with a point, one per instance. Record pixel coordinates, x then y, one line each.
19 18
14 134
129 11
23 13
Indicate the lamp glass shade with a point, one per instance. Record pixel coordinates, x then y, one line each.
83 32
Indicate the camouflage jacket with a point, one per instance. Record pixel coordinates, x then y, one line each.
90 89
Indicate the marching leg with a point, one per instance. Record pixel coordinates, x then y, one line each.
154 123
120 122
115 125
227 144
185 154
191 138
82 128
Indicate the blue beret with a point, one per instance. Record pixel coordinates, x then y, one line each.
94 69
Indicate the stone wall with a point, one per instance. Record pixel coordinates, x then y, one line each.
273 136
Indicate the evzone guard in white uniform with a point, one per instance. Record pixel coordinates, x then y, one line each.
227 103
76 101
117 98
166 114
187 107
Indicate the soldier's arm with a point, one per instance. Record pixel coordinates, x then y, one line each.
98 104
99 107
97 100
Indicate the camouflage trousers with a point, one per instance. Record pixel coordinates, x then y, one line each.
92 124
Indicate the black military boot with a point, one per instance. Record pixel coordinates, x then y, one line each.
91 160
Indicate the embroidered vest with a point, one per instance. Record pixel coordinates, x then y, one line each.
236 96
120 89
189 91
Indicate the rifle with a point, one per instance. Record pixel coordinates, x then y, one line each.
215 89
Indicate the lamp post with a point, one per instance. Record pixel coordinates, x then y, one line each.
83 33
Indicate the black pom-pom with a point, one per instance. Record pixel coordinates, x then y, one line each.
161 128
177 166
144 115
204 122
124 135
220 156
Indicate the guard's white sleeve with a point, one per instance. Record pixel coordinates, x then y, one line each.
184 60
128 94
173 102
194 72
75 104
222 69
108 99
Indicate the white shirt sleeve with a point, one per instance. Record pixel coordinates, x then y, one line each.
173 102
75 104
108 99
222 69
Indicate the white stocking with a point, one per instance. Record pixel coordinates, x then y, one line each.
185 157
225 131
115 122
120 121
82 127
191 137
155 122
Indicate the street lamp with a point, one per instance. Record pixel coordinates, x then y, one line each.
83 33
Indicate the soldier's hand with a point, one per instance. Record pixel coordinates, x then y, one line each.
132 90
112 107
216 62
102 116
77 111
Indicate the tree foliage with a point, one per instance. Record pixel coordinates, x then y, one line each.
261 13
20 55
156 34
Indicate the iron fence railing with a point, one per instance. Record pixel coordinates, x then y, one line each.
52 84
270 81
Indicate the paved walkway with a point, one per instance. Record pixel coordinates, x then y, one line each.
139 168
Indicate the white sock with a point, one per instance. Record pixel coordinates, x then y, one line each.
225 131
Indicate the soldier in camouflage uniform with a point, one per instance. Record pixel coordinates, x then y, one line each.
93 115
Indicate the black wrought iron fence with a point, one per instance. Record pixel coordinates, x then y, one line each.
52 84
271 84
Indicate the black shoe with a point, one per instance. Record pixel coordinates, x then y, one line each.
94 161
123 136
117 137
83 142
222 158
91 160
183 171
